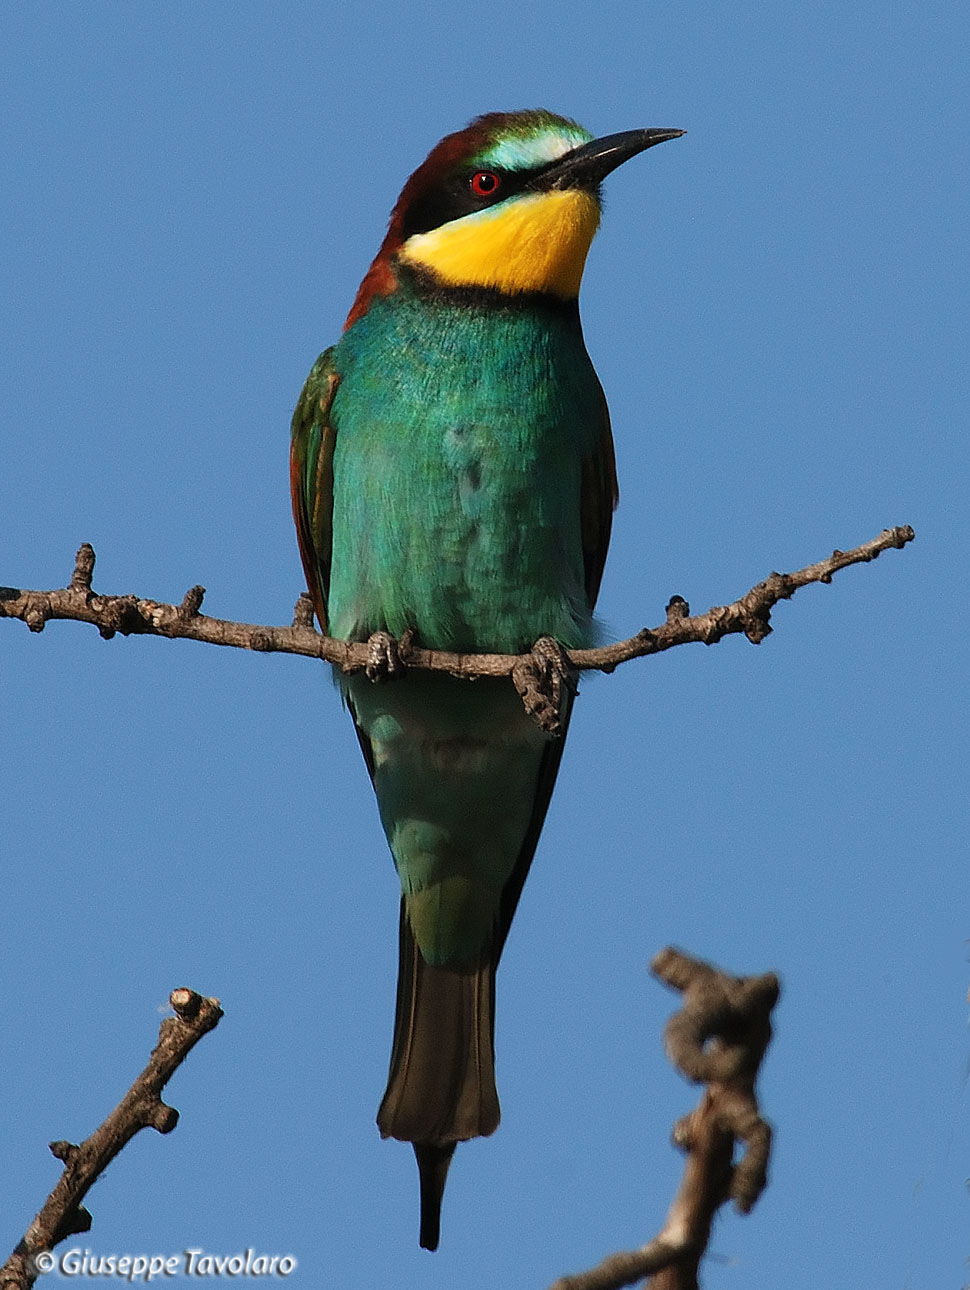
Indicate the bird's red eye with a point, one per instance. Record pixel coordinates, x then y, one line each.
485 183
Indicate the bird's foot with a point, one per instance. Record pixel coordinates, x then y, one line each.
545 680
385 656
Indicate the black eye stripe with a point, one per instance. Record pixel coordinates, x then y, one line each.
455 196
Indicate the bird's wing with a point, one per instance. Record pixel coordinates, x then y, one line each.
311 479
600 494
598 500
311 490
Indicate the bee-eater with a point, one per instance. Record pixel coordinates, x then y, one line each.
453 477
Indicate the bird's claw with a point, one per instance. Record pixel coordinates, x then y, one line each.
385 656
545 682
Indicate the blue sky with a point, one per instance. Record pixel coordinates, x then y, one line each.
776 305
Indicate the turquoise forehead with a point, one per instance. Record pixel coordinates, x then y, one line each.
525 151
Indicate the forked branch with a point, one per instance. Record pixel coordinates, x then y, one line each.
63 1214
718 1039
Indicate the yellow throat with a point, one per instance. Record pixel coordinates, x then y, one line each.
538 242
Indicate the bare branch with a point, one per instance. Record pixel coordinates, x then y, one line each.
131 615
63 1214
719 1039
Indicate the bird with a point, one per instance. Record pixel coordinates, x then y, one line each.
453 483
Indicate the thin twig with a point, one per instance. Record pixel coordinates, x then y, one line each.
63 1214
718 1038
131 615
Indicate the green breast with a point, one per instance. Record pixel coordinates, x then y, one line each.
461 427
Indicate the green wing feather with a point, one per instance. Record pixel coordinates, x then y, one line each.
311 478
600 494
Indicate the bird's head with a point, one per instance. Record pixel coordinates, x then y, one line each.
510 203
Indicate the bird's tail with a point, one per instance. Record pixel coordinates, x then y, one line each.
441 1085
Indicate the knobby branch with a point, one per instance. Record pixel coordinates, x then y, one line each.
538 675
63 1214
718 1039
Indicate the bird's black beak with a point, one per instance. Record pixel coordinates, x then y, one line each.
588 166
